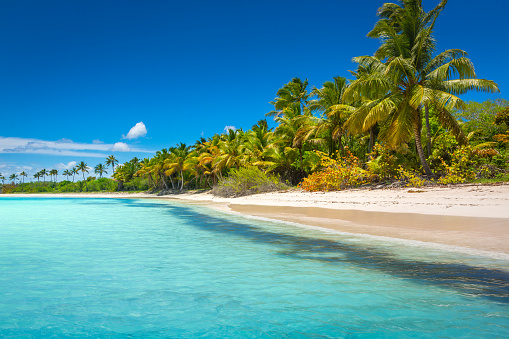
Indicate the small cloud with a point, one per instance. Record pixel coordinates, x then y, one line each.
228 128
120 147
97 141
69 165
64 141
139 130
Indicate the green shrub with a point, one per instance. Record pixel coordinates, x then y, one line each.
246 181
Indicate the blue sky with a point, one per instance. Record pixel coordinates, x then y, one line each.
77 76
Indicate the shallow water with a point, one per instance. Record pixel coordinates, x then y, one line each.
143 268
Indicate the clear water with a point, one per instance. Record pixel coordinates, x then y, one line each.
146 268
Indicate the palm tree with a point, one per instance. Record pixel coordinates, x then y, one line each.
100 169
329 102
176 163
82 166
294 94
23 175
37 175
66 173
13 177
407 78
111 160
43 173
3 179
74 171
54 172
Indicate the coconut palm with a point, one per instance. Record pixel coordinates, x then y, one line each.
23 175
43 173
3 179
329 103
293 94
100 169
176 163
111 160
74 171
82 166
13 177
406 77
66 173
54 172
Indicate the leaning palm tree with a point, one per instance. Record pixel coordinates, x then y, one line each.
100 169
111 160
407 77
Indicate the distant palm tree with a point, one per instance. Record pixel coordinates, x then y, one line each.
3 179
13 177
66 173
54 172
44 173
23 175
111 160
37 175
100 169
83 167
74 171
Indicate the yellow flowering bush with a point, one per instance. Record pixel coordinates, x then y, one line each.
336 174
411 178
462 167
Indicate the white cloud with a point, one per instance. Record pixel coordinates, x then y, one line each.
69 165
227 128
97 141
63 147
120 147
139 130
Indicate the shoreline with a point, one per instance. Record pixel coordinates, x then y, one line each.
475 217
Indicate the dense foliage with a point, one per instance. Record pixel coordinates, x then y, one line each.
398 120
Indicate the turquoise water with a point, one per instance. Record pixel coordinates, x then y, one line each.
147 268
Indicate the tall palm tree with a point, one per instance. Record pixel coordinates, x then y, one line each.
3 179
407 77
82 166
100 169
111 160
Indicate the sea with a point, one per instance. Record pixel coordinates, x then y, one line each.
148 268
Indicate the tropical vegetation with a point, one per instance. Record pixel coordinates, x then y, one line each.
398 121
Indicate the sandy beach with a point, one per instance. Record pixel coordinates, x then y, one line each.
470 216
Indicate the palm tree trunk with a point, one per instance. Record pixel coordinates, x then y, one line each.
182 177
301 160
428 131
418 144
371 139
